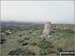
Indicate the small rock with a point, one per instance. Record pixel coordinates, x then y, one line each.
26 37
61 34
42 36
66 28
49 36
52 30
8 32
34 33
2 34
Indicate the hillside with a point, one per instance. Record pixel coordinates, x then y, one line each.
26 40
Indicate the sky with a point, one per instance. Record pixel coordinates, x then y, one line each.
38 11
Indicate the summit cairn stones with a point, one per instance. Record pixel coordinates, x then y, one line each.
47 29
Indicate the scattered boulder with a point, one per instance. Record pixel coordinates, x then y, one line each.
42 38
61 34
2 34
50 36
15 31
34 33
26 37
12 52
25 43
21 40
66 28
8 32
52 30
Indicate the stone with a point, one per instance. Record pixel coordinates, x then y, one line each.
61 34
42 36
50 36
52 30
25 43
26 37
2 34
47 29
66 28
34 33
8 32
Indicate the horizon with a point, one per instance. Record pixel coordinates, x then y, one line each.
34 22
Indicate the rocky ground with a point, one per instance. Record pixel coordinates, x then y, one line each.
26 40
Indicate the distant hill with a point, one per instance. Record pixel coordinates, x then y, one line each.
10 23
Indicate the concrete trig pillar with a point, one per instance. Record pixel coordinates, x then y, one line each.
47 29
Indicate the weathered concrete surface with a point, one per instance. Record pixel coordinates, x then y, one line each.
47 29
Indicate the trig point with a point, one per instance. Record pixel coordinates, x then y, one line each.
47 29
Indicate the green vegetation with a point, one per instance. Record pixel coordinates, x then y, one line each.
26 40
2 40
45 44
21 51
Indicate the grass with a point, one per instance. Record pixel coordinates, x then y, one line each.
62 40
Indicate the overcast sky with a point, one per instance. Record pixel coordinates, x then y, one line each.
38 11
